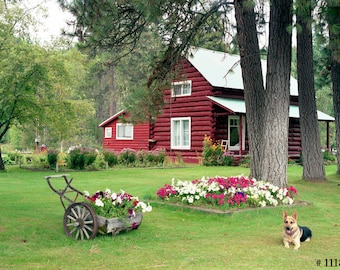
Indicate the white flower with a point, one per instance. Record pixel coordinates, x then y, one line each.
147 209
263 203
86 193
98 202
113 196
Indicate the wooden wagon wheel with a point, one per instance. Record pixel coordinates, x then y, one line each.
80 221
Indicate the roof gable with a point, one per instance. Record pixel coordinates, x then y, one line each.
223 70
113 117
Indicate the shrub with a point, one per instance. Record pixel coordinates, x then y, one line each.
227 158
80 157
142 158
212 153
7 160
159 155
127 156
111 158
245 161
15 158
37 160
328 157
99 163
147 158
52 158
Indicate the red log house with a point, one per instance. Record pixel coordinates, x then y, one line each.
209 101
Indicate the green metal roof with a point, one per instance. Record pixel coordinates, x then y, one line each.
238 106
223 70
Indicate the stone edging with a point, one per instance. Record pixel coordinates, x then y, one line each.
228 212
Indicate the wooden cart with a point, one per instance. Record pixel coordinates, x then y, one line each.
80 221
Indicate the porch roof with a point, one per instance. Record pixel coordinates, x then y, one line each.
238 106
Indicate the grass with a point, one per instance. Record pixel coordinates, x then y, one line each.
32 236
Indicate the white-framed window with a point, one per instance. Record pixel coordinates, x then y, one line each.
124 131
182 88
181 133
108 132
234 133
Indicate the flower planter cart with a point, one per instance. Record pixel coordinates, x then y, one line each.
115 225
80 220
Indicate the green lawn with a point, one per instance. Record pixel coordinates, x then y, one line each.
32 236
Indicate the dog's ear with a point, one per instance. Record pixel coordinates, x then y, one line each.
295 215
284 214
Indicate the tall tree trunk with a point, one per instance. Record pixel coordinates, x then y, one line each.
2 164
334 46
278 92
112 88
267 110
254 92
313 167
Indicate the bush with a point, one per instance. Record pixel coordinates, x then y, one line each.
15 158
127 156
81 157
245 161
151 158
38 161
227 159
212 153
111 158
99 163
7 160
159 156
328 157
52 158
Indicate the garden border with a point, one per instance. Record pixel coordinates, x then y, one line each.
231 211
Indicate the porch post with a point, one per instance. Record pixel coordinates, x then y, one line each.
240 136
327 139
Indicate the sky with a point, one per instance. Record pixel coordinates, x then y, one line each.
51 25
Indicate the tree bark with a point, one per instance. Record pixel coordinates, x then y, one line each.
334 46
267 109
112 89
312 158
2 164
278 92
254 92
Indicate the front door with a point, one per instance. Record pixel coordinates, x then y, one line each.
236 132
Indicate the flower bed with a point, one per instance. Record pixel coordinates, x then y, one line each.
227 192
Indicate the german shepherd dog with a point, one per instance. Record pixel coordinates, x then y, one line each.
293 233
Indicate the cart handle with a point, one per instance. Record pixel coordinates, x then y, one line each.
62 192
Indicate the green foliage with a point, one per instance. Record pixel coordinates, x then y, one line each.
15 158
328 157
213 154
150 158
52 158
36 84
111 158
81 157
127 157
39 161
